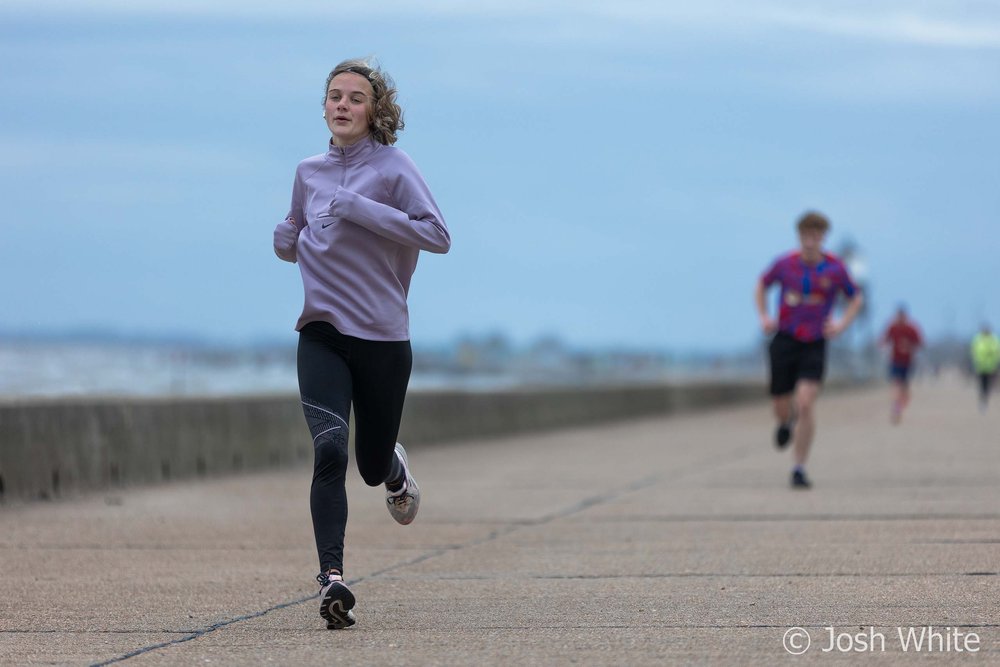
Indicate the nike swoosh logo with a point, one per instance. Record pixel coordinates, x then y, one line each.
327 225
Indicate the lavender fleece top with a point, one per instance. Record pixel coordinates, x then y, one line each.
361 216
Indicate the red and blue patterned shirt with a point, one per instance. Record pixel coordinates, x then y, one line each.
808 292
904 338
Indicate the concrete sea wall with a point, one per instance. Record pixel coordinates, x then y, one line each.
56 448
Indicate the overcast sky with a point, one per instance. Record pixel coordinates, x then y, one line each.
612 173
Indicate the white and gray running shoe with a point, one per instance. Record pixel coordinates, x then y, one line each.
403 504
336 602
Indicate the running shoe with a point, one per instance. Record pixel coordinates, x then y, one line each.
404 503
896 416
336 602
783 435
799 480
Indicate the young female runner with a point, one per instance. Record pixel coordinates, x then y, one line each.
360 215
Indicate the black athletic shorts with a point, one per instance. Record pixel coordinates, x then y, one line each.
899 373
793 360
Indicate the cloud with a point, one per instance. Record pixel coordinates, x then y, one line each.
289 10
20 152
902 28
959 24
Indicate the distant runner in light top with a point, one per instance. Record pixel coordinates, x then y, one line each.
809 280
985 352
360 215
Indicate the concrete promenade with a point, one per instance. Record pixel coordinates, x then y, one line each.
660 541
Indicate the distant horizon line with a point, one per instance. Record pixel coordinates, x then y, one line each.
101 335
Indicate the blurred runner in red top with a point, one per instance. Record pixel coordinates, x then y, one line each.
903 338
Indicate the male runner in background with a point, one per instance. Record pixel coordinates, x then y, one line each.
810 280
903 337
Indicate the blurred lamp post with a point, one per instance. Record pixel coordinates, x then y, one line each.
857 266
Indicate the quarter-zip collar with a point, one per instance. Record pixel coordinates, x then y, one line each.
357 152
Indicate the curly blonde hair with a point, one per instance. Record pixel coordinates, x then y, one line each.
385 117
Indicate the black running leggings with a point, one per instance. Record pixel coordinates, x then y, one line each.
985 383
334 371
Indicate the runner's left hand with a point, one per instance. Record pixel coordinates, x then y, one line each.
832 329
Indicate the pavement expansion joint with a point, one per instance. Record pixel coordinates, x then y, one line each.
204 631
778 518
495 534
85 631
762 575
